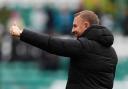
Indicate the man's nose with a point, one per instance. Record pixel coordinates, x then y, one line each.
73 30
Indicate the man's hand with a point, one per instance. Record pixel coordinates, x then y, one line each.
15 31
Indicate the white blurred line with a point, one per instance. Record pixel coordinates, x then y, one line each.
120 85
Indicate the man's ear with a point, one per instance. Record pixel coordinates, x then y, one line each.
86 24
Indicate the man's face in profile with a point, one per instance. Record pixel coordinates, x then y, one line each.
79 26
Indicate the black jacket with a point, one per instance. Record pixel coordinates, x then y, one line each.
93 60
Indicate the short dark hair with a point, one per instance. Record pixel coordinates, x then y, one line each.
88 15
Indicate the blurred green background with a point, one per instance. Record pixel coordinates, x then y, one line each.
25 67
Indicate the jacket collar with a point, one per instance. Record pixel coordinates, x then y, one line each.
99 34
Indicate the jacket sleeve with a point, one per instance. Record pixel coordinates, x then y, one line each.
64 47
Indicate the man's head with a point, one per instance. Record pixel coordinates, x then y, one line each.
82 21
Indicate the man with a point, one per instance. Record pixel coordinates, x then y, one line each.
93 59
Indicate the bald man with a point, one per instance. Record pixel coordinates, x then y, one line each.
93 60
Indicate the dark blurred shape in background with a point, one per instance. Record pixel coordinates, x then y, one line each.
125 22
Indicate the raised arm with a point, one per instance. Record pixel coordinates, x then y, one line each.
52 44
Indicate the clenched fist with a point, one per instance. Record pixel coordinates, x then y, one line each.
15 31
